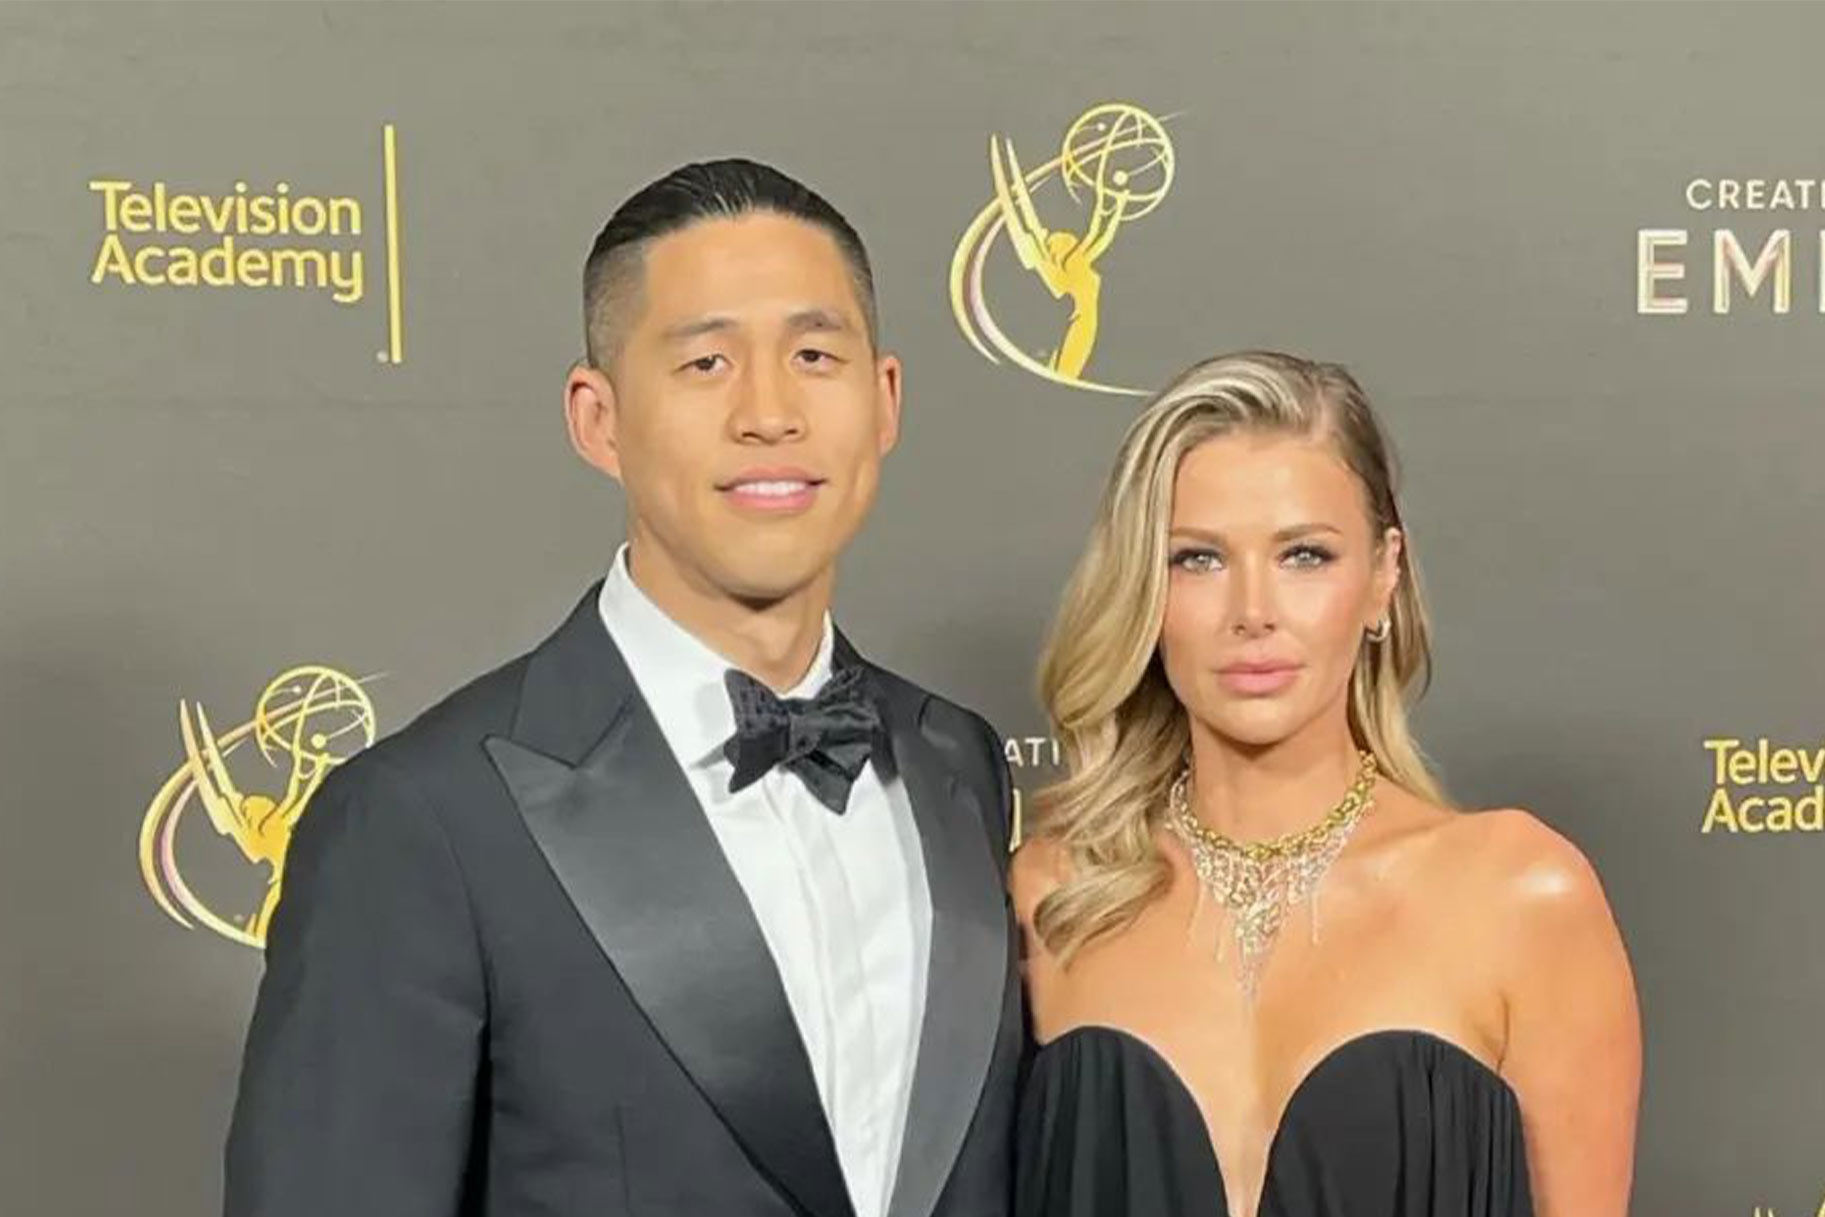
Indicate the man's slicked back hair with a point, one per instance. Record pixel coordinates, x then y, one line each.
720 189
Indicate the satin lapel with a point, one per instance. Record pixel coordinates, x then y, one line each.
628 841
968 973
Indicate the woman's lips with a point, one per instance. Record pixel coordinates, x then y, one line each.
1258 679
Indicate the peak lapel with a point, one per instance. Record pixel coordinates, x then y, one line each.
625 836
968 972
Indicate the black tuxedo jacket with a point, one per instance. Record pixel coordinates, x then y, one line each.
511 974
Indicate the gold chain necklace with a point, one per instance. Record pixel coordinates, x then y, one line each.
1258 881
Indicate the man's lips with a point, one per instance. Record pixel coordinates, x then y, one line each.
772 489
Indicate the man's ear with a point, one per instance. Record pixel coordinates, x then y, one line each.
888 375
592 416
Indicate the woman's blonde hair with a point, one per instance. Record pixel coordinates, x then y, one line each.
1122 731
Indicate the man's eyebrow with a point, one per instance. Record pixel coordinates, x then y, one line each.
701 325
814 320
804 321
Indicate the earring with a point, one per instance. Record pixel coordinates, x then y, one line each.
1382 629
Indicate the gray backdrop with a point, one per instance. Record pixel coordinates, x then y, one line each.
1616 514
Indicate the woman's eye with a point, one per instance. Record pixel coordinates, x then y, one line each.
1197 561
1308 555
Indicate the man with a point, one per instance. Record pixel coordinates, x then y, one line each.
691 910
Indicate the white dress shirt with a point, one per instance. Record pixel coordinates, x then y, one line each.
841 899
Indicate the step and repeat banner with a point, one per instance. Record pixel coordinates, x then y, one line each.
290 290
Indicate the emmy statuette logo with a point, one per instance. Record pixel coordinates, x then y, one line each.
1114 167
307 721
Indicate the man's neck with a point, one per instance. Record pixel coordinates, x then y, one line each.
776 642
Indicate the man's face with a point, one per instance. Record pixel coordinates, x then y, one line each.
747 411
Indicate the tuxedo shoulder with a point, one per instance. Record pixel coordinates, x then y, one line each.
950 714
939 712
450 727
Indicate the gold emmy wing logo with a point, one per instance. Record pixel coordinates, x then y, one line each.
1113 167
1768 1210
307 721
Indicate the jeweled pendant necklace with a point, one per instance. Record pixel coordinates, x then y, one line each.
1258 881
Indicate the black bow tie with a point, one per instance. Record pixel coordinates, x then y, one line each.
825 740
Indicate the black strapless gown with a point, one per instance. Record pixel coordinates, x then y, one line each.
1390 1124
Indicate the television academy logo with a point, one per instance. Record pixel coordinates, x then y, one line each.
231 235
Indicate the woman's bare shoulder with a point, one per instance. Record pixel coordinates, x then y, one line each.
1038 867
1533 876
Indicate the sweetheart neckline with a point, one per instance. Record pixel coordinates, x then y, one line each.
1164 1064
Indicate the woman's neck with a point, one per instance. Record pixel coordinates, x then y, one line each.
1256 793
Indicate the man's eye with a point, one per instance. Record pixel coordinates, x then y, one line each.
704 363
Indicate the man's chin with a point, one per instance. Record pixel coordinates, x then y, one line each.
758 582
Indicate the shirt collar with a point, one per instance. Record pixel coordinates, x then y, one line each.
681 677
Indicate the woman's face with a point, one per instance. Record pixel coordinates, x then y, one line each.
1275 576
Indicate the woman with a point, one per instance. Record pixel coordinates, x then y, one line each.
1272 973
